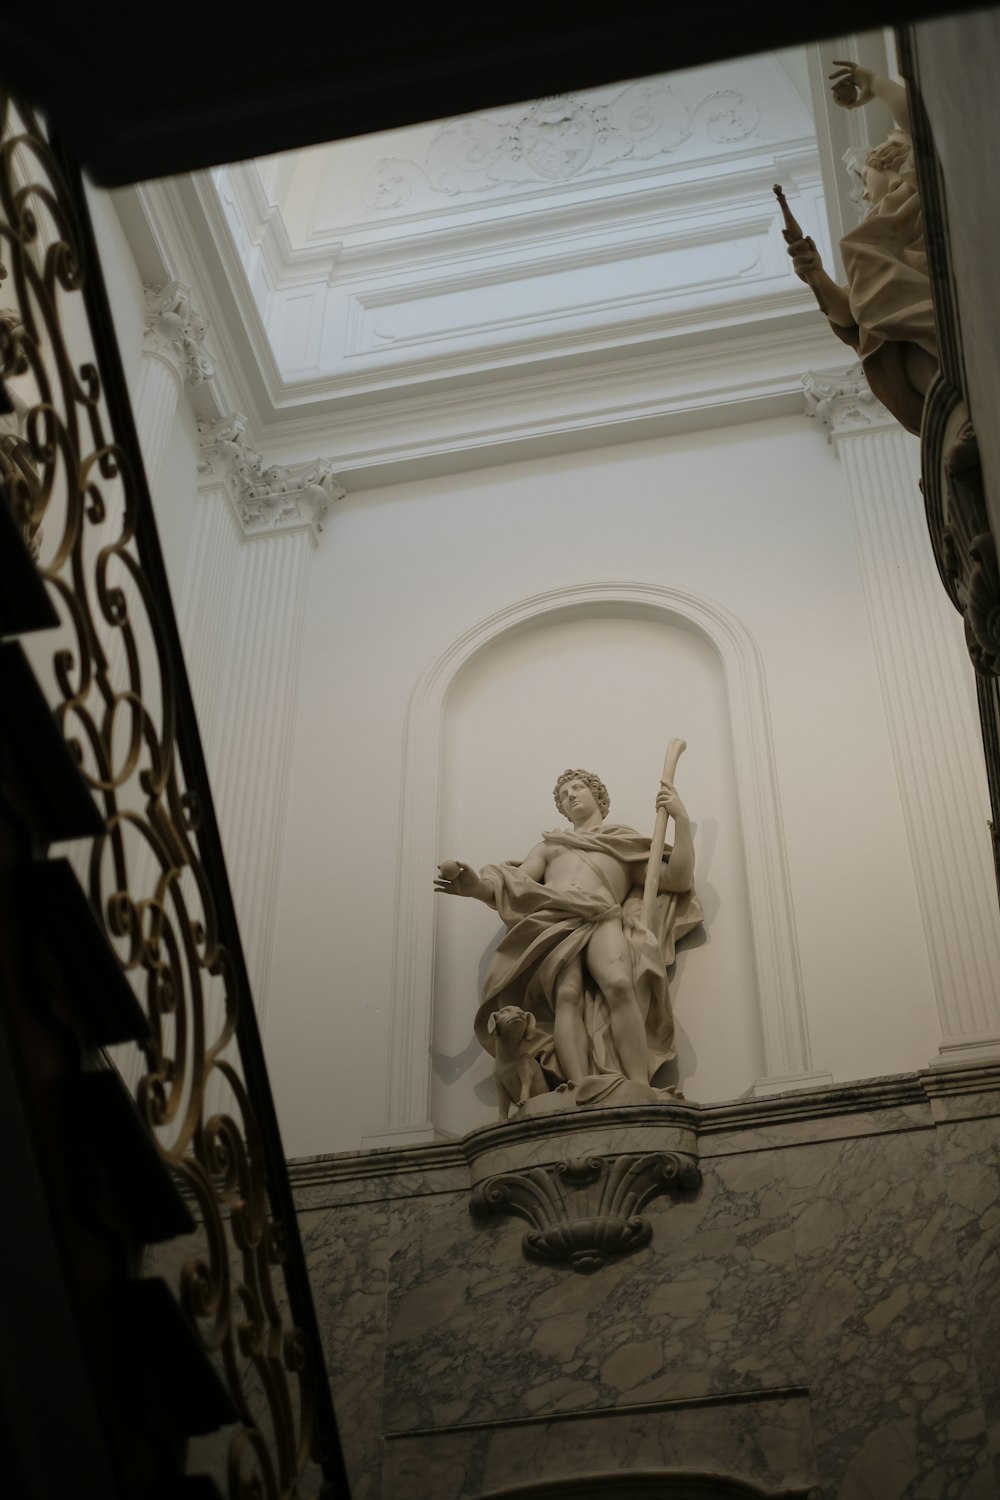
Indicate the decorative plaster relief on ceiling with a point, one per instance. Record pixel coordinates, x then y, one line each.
265 501
558 139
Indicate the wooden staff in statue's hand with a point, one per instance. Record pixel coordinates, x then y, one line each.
808 267
681 862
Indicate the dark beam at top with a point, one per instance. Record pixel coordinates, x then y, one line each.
210 84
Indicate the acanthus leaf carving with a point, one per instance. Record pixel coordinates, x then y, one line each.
266 499
176 332
584 1211
843 402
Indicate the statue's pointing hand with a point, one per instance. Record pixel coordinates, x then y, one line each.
457 879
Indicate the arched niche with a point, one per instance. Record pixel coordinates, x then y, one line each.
603 687
783 1030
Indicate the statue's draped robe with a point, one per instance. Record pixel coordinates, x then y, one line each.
890 296
547 928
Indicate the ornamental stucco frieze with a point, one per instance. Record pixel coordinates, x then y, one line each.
266 499
175 332
556 140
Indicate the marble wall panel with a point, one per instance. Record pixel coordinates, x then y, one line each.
970 1156
477 1333
347 1255
812 1128
367 1177
861 1265
895 1400
764 1440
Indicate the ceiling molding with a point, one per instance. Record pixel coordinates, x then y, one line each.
442 419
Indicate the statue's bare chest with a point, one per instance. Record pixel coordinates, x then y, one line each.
597 873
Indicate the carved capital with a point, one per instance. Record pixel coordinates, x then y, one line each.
175 333
265 500
843 402
585 1211
963 544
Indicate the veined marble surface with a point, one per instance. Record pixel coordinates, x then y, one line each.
473 1334
766 1440
823 1308
886 1329
347 1255
971 1165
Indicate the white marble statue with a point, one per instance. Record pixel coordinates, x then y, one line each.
577 956
885 311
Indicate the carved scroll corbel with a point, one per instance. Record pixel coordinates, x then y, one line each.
963 544
585 1211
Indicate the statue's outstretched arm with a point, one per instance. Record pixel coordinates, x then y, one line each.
808 267
855 86
454 878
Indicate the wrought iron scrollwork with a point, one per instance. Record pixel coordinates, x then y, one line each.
73 476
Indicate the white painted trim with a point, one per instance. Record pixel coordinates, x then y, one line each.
784 1030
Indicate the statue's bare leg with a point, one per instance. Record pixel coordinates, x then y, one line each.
610 965
569 1032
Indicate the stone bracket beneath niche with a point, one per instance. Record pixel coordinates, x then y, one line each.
585 1209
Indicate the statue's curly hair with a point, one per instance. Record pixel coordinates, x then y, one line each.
592 780
892 155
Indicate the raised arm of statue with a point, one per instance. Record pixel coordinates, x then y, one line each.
855 86
833 300
455 878
885 312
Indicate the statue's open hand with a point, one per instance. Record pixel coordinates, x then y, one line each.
668 801
852 84
457 879
806 261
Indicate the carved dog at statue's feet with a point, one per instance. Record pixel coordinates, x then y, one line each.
517 1072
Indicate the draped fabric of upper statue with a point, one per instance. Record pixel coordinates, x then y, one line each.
549 927
890 297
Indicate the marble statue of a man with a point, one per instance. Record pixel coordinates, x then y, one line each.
885 311
576 954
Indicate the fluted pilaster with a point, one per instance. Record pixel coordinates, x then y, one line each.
929 696
241 618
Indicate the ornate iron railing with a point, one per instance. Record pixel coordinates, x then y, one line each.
114 675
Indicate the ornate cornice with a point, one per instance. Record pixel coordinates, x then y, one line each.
265 501
584 1211
175 333
844 403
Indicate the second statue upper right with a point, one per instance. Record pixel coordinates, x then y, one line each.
885 311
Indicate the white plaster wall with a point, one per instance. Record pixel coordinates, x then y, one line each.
176 500
753 517
121 279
